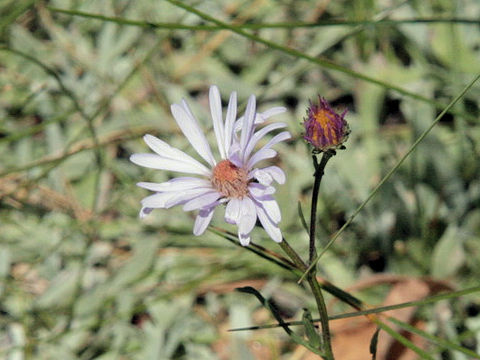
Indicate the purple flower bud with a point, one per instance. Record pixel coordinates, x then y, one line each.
324 128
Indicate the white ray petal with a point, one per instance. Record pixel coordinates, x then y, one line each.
263 177
247 126
167 151
260 117
187 109
229 121
276 139
176 184
259 191
156 200
260 155
244 239
271 208
154 161
247 220
232 211
285 135
144 211
267 174
259 134
182 197
190 128
203 220
272 230
217 117
202 201
234 154
272 112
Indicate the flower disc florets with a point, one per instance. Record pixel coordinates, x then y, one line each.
324 128
230 180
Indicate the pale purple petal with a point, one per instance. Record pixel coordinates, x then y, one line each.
272 229
236 160
167 151
169 199
231 115
182 197
267 174
260 117
247 126
244 239
247 220
233 211
190 128
187 109
259 190
270 205
157 200
285 135
203 220
258 135
144 211
238 125
260 155
263 151
202 201
234 154
154 161
176 184
272 112
217 117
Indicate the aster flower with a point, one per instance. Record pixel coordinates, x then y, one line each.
247 191
324 128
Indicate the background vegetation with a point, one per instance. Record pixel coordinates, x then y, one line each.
83 278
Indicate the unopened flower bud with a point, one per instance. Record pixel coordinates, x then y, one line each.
324 128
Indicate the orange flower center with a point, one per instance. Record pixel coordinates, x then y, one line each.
327 125
230 180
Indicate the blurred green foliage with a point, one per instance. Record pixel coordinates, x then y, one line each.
82 277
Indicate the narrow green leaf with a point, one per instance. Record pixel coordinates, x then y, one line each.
274 311
267 304
302 217
404 341
277 25
423 302
310 329
256 249
435 339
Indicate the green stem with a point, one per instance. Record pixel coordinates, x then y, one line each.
292 254
319 171
311 277
317 293
322 310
